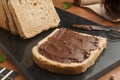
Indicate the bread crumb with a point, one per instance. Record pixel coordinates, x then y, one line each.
112 77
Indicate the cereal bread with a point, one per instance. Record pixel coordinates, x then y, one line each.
33 16
3 17
9 16
67 68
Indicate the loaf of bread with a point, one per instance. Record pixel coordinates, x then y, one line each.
48 53
33 16
28 17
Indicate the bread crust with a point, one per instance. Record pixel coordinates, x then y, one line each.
68 68
9 16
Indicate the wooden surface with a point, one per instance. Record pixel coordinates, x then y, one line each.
80 12
9 65
115 72
84 13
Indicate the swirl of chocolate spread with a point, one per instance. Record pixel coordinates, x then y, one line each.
67 46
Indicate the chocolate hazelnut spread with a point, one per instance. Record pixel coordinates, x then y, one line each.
86 27
67 46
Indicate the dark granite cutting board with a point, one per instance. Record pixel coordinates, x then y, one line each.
19 51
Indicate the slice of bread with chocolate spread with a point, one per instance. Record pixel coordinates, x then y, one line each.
68 52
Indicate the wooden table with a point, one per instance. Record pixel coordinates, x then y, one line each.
84 13
80 12
9 65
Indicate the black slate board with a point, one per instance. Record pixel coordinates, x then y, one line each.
19 51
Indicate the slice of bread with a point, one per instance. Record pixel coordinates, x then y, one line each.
9 16
33 16
3 17
67 68
14 28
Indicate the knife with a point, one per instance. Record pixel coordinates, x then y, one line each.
98 28
113 32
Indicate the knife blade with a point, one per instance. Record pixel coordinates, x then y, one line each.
98 28
112 32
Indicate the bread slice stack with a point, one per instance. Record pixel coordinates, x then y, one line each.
68 68
28 17
3 17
